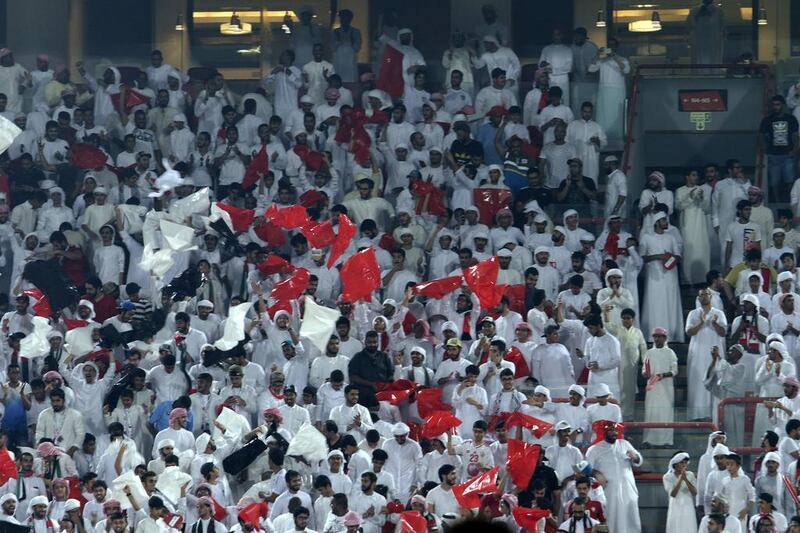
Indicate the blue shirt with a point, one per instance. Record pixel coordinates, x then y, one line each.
486 136
160 416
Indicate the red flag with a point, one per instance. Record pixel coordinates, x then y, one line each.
253 513
521 369
435 204
347 230
292 217
438 288
8 468
275 264
391 78
430 400
311 159
395 392
241 219
292 288
412 522
528 518
489 202
468 494
42 306
313 198
280 305
220 513
319 235
132 99
87 157
516 298
439 422
532 424
257 168
269 233
482 280
72 324
360 276
521 461
599 427
351 130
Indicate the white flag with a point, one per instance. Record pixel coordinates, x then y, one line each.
319 322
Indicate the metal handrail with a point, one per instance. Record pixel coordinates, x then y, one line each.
737 400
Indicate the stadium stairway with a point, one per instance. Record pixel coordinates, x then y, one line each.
653 499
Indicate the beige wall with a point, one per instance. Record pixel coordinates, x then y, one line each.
166 37
40 27
586 16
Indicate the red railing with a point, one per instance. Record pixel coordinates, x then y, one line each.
630 139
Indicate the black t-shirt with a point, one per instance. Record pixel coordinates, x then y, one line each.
463 151
543 195
779 131
575 195
377 368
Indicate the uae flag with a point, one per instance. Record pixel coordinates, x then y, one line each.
390 78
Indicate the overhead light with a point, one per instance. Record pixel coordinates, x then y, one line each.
179 23
235 26
762 17
645 26
600 22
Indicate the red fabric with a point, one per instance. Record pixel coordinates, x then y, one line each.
537 427
132 99
241 219
313 199
387 242
522 460
75 490
391 72
521 369
319 235
378 117
439 422
516 299
599 427
527 518
311 159
72 324
360 276
489 202
42 306
8 468
413 522
468 494
395 394
292 288
220 513
497 111
253 513
347 230
281 305
429 401
482 280
438 288
611 247
257 168
274 264
87 157
292 217
351 130
435 195
269 233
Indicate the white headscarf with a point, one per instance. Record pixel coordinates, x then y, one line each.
677 458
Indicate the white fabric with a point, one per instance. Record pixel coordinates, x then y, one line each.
319 323
36 343
134 483
233 332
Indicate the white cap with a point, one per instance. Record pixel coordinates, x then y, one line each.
335 453
504 252
389 301
562 425
541 250
783 276
305 99
179 117
205 303
720 449
578 389
539 219
541 389
71 505
602 390
100 190
560 229
400 429
491 39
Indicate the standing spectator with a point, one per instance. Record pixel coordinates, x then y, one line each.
499 57
694 203
589 139
660 368
557 58
346 42
681 487
611 91
584 83
458 58
778 137
706 27
706 326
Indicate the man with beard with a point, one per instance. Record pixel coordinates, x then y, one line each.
616 459
369 367
369 504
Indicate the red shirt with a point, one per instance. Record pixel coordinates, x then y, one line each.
104 308
594 508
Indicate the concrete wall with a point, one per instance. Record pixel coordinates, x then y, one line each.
38 27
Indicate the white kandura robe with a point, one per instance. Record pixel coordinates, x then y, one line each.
632 348
611 92
605 351
468 413
769 384
580 133
662 303
699 399
622 496
694 204
659 401
681 516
